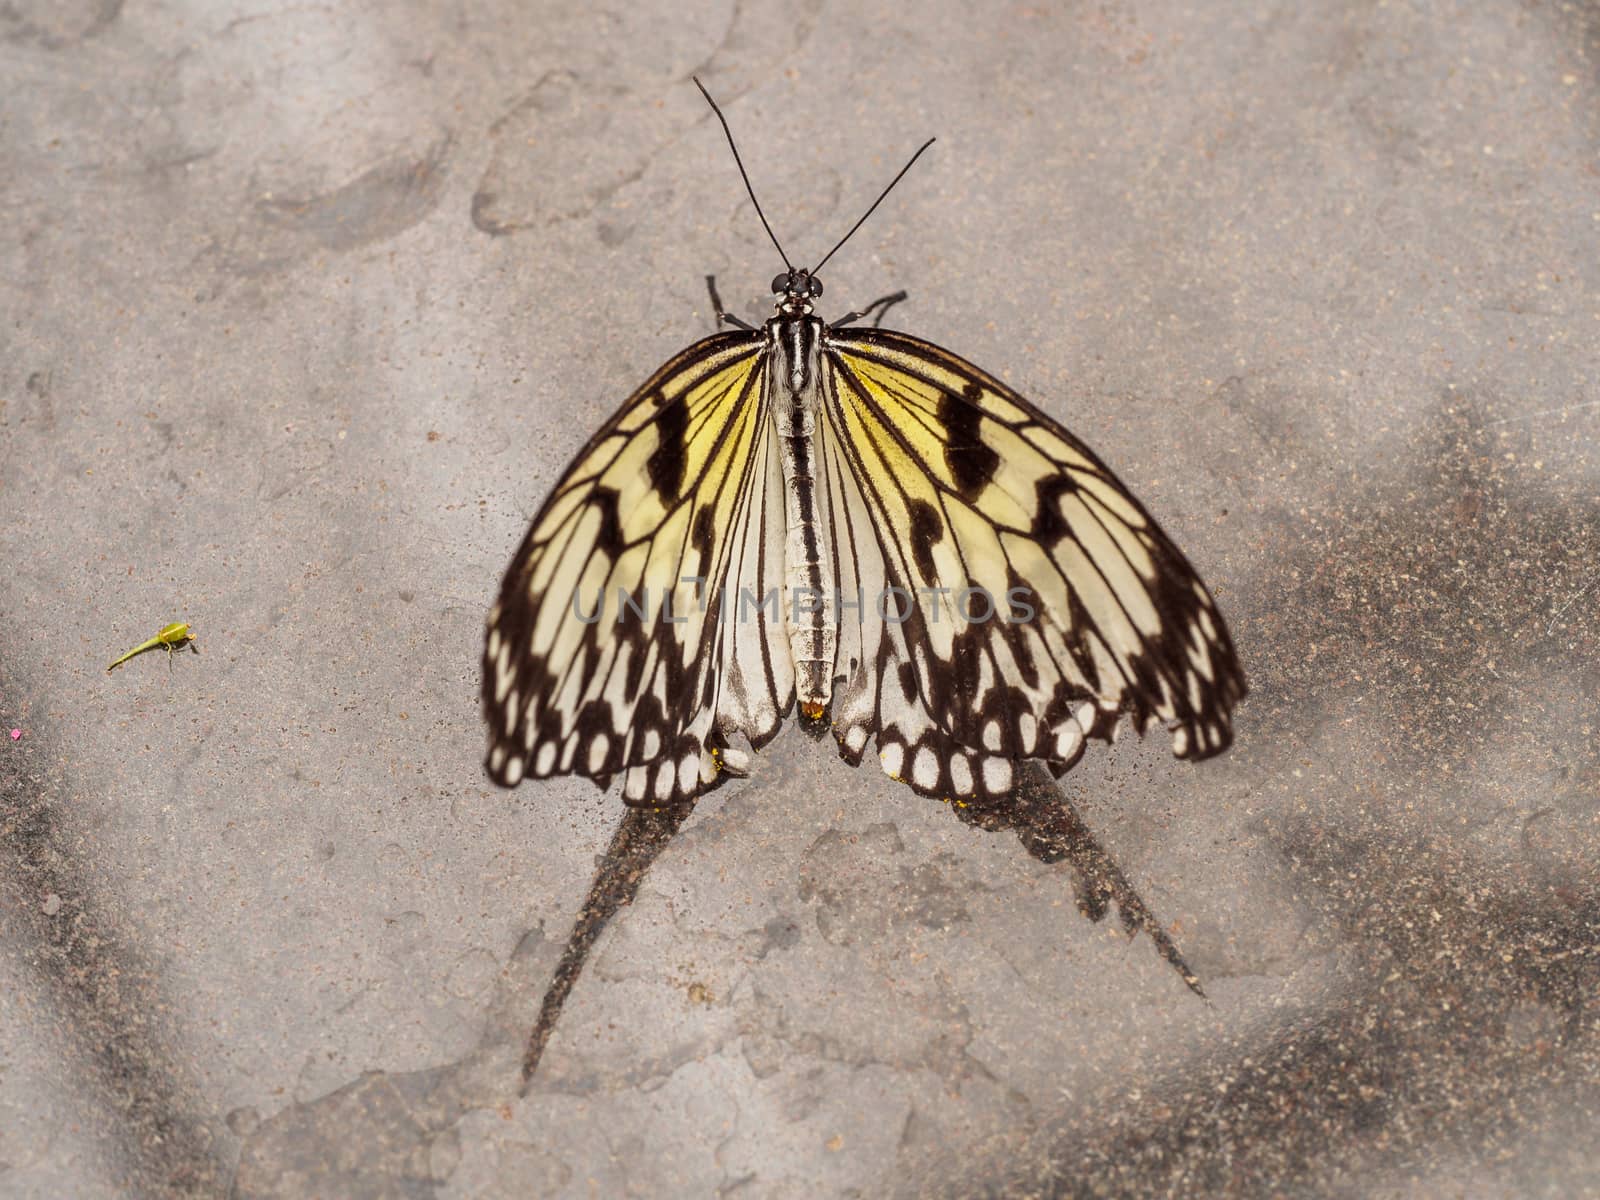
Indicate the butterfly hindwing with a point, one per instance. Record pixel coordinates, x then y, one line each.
981 508
669 506
877 694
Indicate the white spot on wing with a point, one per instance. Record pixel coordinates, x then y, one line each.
1085 717
634 782
1027 730
892 757
961 774
1069 740
996 775
502 675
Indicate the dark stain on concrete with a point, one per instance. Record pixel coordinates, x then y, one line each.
638 842
95 989
1051 830
1437 596
1425 629
1467 1025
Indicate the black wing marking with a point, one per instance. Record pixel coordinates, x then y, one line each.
671 490
965 485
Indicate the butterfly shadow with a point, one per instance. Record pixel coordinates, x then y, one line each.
1037 811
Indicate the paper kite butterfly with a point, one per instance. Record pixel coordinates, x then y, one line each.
858 522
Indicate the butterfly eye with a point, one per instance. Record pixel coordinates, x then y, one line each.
780 284
815 287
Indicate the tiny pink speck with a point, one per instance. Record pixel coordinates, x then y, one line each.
15 734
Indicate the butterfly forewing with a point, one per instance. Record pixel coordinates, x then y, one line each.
888 635
972 493
667 504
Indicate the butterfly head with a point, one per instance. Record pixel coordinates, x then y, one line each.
796 288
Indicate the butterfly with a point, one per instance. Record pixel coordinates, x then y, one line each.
859 523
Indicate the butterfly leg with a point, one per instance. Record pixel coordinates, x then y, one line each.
723 315
882 304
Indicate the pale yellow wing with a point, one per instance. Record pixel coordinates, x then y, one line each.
605 653
954 489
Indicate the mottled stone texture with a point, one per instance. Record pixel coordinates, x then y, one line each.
304 306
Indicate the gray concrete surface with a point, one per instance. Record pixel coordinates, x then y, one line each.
302 309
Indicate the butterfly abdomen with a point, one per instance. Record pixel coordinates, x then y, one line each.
807 602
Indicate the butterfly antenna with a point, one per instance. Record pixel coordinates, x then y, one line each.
746 174
875 204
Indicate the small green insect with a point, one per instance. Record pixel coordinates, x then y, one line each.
171 638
